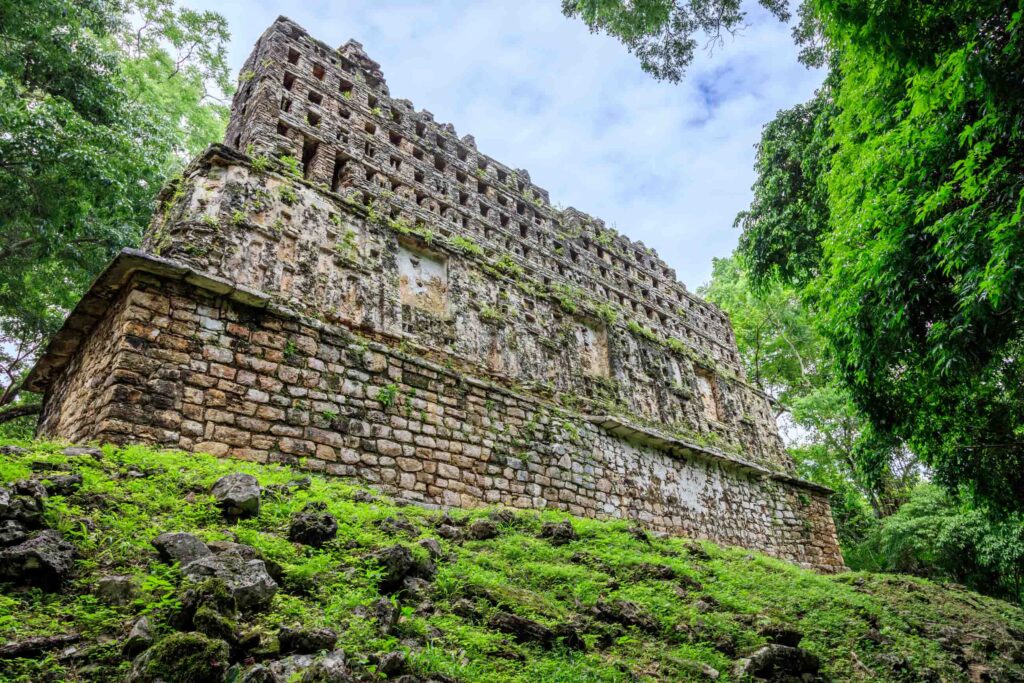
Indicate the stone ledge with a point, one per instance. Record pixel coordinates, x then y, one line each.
680 447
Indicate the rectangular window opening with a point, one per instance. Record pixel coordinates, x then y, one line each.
309 150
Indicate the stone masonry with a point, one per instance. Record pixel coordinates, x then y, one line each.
350 287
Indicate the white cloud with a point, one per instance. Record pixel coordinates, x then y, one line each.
670 165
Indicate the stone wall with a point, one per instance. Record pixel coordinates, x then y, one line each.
331 111
184 366
445 296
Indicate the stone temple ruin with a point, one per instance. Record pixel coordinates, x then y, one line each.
348 286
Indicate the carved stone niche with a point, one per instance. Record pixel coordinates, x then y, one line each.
708 393
592 343
422 279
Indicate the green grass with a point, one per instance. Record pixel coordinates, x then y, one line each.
115 514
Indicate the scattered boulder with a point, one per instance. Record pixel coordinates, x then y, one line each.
465 609
11 532
139 638
247 581
726 644
180 547
62 484
44 561
305 641
362 496
392 664
503 516
257 673
191 657
626 613
658 572
781 634
482 530
82 451
214 623
640 534
246 552
778 663
385 613
211 595
238 494
313 526
415 588
522 629
449 532
13 450
286 669
117 590
559 533
396 525
706 604
696 551
23 502
397 563
331 668
433 548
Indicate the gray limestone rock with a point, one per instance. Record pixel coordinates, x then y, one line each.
777 663
313 526
44 560
482 530
331 668
180 547
558 533
247 580
522 629
397 562
306 641
117 590
139 638
238 494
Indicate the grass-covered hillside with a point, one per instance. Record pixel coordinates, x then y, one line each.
417 595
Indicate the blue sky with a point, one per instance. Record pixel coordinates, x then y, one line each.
670 165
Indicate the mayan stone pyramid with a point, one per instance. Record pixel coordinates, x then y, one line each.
348 286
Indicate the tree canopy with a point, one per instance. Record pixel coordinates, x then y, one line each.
100 102
893 203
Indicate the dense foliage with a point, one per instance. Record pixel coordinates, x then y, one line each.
887 517
664 34
918 288
100 101
893 201
694 605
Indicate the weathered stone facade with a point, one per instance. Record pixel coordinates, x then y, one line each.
350 287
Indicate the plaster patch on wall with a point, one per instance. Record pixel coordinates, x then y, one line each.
423 279
592 341
706 389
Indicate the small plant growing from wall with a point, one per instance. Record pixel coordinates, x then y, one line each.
387 395
507 265
466 244
288 195
346 245
291 165
606 312
641 331
492 315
